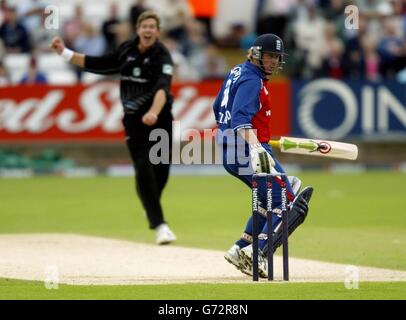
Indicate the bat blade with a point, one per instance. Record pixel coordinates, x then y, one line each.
314 147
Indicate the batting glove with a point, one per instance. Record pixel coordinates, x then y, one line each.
261 160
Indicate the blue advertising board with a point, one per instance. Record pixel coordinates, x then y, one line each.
333 109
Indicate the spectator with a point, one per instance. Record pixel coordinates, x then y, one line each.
403 7
298 13
374 8
13 33
4 76
3 9
398 7
33 76
272 16
210 63
91 43
308 36
300 10
354 57
109 29
136 9
391 51
205 11
335 14
371 60
238 37
30 13
42 36
123 32
72 27
175 16
324 4
193 42
2 50
375 11
401 77
332 65
183 70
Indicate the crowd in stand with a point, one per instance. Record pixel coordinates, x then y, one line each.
318 41
322 45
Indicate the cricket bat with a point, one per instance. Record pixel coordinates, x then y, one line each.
314 147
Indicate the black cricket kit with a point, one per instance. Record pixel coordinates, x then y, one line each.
142 75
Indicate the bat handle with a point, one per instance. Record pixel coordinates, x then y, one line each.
274 143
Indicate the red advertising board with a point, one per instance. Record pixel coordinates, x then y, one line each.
82 113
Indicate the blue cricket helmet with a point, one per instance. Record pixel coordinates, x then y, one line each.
269 43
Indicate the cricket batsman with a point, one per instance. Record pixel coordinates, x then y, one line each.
242 110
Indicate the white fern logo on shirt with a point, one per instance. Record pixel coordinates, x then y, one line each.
167 69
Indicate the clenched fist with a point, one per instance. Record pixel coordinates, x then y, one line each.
58 45
149 119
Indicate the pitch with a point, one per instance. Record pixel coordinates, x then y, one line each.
354 220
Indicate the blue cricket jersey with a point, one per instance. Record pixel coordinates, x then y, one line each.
243 102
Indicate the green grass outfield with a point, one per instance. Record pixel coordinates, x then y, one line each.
16 289
357 219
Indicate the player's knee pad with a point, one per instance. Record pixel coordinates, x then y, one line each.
296 216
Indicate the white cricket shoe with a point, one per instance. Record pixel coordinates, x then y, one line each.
233 256
246 255
164 235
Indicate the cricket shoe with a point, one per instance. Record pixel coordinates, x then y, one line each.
164 235
233 256
246 254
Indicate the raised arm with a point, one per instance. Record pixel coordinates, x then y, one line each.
107 64
76 58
